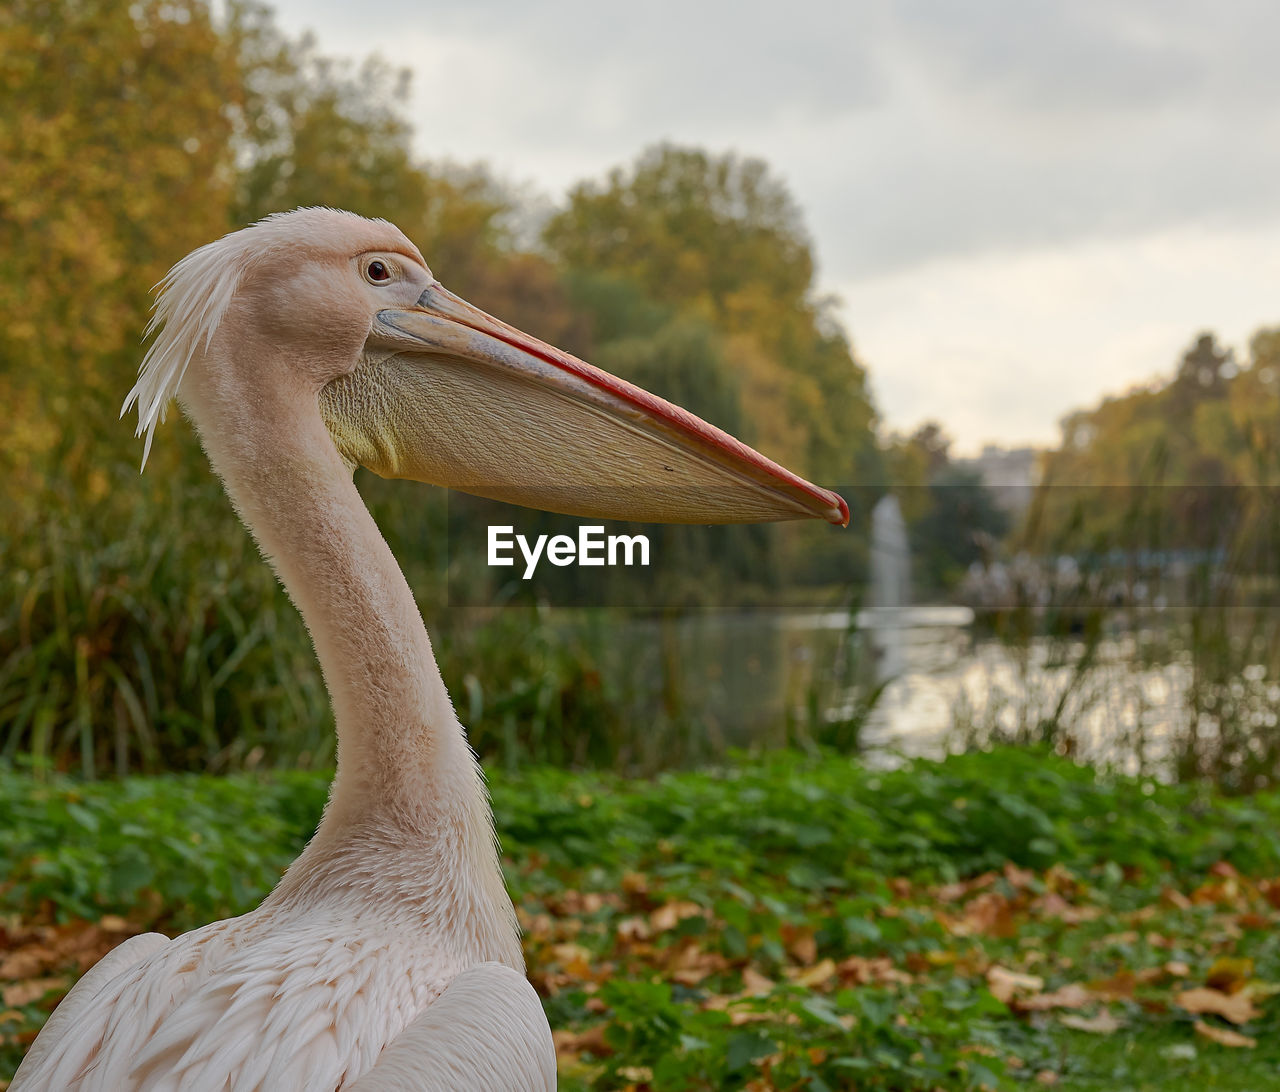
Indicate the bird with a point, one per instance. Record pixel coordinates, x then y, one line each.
388 957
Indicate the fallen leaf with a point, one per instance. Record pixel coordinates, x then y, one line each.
815 975
800 942
1237 1008
988 914
670 914
1104 1023
633 929
1071 996
575 1042
1018 877
23 993
1224 1036
1119 987
860 971
1229 975
954 892
1004 983
1271 892
738 1017
753 982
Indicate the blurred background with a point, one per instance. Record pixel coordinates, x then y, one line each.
1007 282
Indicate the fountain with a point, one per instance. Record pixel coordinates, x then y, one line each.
890 591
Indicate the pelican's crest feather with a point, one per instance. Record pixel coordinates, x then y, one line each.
192 299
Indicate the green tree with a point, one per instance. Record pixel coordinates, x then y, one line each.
719 237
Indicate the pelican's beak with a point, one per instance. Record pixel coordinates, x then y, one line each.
450 395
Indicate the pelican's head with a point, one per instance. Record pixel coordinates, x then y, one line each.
412 382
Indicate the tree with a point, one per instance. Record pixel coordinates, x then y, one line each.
719 237
116 162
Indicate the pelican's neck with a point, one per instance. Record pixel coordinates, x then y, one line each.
406 776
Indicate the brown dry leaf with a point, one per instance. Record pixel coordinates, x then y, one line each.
1237 1008
574 959
1103 1023
633 928
1229 975
635 883
1004 983
738 1017
800 942
690 963
859 971
539 926
1071 996
670 914
1119 987
1271 892
1020 878
1075 915
28 962
1177 968
1224 893
988 914
32 989
1224 1036
1129 936
814 976
954 892
753 982
1175 898
1046 1077
575 1042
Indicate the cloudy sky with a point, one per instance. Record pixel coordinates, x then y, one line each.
1022 205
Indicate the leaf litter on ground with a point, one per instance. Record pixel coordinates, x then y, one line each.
788 921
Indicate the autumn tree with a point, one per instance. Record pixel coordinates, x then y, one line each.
1161 466
720 237
115 145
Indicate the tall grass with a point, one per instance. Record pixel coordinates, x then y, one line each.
150 638
1156 659
140 631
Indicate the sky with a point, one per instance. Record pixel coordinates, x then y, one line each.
1021 205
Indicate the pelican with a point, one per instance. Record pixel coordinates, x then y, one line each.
388 956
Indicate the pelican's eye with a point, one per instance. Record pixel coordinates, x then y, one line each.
377 272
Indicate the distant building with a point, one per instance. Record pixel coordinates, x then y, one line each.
1011 474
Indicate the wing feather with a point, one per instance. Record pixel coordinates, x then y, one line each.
64 1028
485 1033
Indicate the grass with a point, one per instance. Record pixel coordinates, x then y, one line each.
783 922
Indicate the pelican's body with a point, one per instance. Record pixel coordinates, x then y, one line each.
388 956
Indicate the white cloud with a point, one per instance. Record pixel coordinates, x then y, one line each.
1003 345
1025 203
